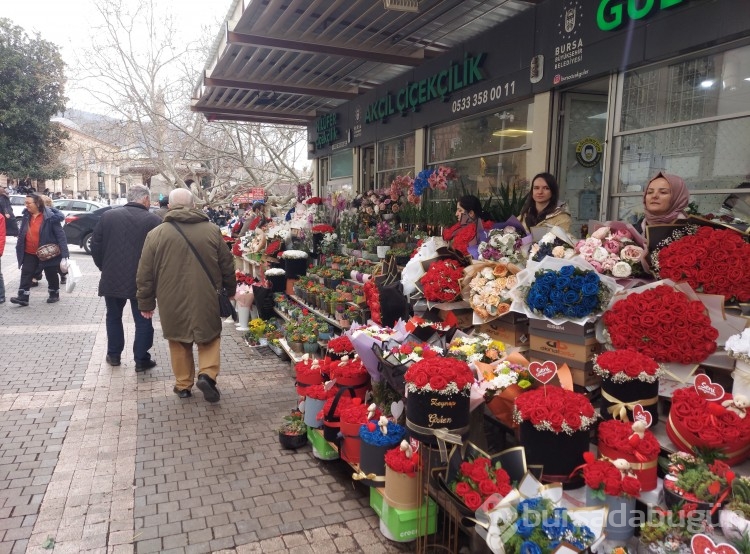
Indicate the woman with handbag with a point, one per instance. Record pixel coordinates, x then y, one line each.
41 243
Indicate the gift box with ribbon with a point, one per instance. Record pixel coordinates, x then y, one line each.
376 439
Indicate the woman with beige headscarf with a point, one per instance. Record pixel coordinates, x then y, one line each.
665 200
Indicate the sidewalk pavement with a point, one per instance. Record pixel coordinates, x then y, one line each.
96 458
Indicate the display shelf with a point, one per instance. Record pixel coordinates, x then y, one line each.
295 357
316 311
282 315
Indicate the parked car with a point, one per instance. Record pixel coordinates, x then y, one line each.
18 202
80 226
70 206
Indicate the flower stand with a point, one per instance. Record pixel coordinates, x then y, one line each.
427 411
278 282
559 453
295 267
401 490
243 317
350 442
620 515
618 399
313 406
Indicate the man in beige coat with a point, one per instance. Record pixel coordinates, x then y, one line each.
169 273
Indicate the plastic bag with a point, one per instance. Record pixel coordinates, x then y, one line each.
64 265
74 275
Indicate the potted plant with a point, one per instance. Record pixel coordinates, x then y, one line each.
293 432
695 480
402 254
734 518
669 531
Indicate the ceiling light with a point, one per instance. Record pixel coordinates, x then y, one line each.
602 115
511 133
708 83
402 5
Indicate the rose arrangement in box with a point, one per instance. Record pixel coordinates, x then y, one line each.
357 412
403 460
442 281
409 352
712 261
340 346
344 403
441 375
662 323
477 480
605 478
555 409
692 479
626 365
388 434
569 292
617 439
612 252
294 255
476 348
557 244
502 245
274 272
319 392
322 228
348 368
489 289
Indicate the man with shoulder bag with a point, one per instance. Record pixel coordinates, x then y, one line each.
185 267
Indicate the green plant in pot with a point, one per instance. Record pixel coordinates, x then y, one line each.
735 516
402 255
293 431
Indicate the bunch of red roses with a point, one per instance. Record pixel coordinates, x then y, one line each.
620 366
244 278
318 392
356 412
605 479
711 423
350 369
372 297
340 345
662 323
344 403
460 235
618 436
442 281
309 370
479 479
447 375
554 409
273 247
397 460
322 228
315 200
237 249
713 261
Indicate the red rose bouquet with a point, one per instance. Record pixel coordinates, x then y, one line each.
341 346
403 460
441 375
631 442
554 409
357 412
315 200
662 323
318 392
372 297
273 247
477 480
460 235
322 228
347 369
605 478
712 261
345 402
626 365
442 281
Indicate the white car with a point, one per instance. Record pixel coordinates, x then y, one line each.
18 202
70 206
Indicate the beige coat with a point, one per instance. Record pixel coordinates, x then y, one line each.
169 274
559 218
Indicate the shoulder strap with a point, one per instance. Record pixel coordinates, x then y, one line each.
200 260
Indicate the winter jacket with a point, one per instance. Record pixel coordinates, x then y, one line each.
2 236
116 247
11 227
559 218
51 232
169 274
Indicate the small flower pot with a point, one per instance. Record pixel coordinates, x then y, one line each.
292 442
401 490
296 347
620 516
310 347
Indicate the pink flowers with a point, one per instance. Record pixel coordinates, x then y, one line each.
612 251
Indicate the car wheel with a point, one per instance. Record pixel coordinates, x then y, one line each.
87 243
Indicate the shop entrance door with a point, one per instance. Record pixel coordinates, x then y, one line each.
582 128
367 182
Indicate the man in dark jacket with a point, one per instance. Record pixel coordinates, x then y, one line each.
170 272
116 247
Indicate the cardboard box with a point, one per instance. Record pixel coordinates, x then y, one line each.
582 372
465 317
513 317
405 525
322 449
555 345
509 334
585 331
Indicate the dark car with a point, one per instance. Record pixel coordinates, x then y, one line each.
79 227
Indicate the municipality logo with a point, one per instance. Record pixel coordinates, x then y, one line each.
570 19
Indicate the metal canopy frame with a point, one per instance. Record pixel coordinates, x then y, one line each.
288 61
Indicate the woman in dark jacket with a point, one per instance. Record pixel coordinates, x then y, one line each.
39 226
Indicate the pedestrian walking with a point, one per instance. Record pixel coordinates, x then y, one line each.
183 264
116 246
38 275
6 211
41 243
2 251
163 207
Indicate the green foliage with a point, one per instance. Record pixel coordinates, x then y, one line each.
31 93
508 202
740 500
742 543
293 424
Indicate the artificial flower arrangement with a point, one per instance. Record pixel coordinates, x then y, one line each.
376 438
427 179
442 281
402 483
703 416
502 245
629 378
425 329
403 459
478 479
634 443
614 249
607 477
738 346
488 289
350 372
712 261
671 531
555 243
409 352
340 347
244 278
274 272
440 375
308 371
294 255
662 323
620 366
478 347
322 228
555 409
500 383
693 480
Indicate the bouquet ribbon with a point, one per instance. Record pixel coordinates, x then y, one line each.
371 476
619 409
730 455
442 435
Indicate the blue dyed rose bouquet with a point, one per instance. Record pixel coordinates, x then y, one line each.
562 290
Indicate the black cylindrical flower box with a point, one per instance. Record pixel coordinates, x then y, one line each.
559 453
629 392
278 282
427 411
295 267
372 462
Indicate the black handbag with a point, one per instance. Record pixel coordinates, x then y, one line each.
225 305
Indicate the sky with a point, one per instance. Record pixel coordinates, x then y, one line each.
68 23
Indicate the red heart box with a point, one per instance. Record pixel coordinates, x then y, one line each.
640 414
703 544
707 389
544 373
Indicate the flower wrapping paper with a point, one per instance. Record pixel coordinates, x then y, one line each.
414 269
500 290
363 342
527 276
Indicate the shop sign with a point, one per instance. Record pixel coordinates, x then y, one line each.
256 193
612 14
327 129
439 85
588 152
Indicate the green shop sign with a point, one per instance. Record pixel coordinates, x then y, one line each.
327 130
439 85
612 14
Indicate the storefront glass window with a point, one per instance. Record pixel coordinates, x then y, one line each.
694 116
488 152
342 164
395 157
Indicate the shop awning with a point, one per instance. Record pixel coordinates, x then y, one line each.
288 61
